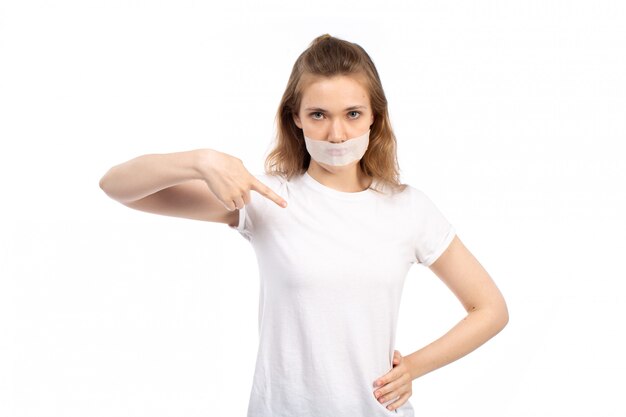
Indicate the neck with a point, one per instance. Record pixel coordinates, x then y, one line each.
349 179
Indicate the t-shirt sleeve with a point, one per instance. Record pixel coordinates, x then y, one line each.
433 232
245 227
252 213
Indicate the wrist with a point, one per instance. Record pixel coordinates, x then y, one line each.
413 363
201 161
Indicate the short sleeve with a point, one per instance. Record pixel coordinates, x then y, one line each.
252 213
246 224
433 232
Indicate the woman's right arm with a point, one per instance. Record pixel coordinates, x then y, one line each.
201 184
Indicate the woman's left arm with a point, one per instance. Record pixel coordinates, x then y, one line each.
487 313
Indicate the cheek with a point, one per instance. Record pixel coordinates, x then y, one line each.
297 121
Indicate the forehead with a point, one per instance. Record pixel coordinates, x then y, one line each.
335 91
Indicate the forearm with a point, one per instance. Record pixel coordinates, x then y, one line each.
467 335
147 174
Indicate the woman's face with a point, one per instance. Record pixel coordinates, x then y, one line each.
334 108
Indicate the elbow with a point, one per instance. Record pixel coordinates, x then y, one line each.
504 318
104 181
102 184
496 315
107 184
498 312
500 316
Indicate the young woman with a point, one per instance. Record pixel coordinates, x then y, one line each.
333 260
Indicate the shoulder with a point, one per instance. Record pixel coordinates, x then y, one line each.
416 195
422 206
404 194
271 178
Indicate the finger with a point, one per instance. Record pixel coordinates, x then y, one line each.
267 192
231 206
393 389
246 197
238 201
392 379
399 401
386 395
384 381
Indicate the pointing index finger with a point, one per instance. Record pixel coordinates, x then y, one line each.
267 192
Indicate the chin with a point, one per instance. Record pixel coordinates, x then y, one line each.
336 169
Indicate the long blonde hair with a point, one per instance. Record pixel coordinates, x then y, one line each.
328 56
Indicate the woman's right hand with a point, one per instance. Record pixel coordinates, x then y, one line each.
230 181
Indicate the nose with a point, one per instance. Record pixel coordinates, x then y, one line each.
337 133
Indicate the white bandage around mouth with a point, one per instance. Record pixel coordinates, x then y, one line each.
338 154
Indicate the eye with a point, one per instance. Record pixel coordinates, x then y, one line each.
355 112
314 113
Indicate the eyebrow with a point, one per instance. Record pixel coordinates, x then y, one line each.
347 109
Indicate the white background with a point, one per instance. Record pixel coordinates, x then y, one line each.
509 116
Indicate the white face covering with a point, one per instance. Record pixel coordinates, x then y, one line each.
338 154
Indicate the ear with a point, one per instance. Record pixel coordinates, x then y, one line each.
296 120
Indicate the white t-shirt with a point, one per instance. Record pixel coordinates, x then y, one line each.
332 266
